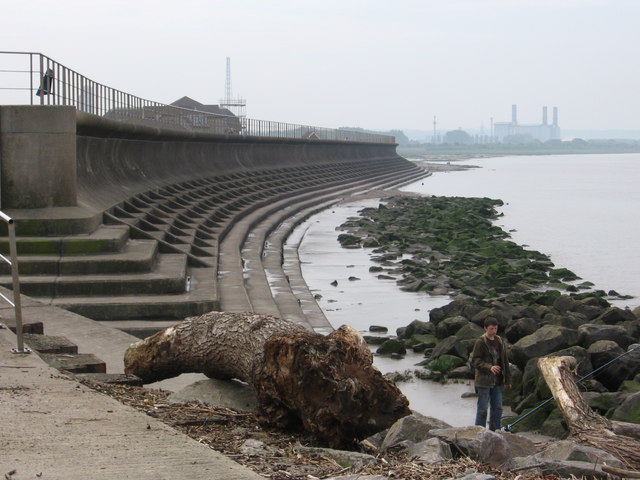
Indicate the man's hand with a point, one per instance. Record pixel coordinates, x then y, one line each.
495 369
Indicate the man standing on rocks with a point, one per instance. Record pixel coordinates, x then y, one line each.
489 358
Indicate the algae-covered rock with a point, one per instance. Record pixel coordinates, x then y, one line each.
554 425
629 411
445 363
392 346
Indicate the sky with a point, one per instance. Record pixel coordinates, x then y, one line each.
373 64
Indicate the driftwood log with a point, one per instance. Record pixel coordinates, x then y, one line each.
587 427
324 384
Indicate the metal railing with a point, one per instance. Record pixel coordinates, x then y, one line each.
13 261
30 78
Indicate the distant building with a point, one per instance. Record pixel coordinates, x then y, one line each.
223 122
513 130
183 113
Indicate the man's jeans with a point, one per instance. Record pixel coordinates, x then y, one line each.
489 397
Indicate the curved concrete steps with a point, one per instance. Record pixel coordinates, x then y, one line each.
174 251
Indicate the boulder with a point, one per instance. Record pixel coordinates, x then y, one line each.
502 317
415 328
463 371
623 368
615 315
378 328
568 319
533 382
565 303
479 444
629 411
520 328
544 341
603 402
432 450
633 328
450 325
450 346
591 333
436 315
375 339
344 458
567 459
470 331
568 450
392 346
554 425
414 428
588 310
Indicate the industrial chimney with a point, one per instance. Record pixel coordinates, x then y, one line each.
514 114
544 115
555 116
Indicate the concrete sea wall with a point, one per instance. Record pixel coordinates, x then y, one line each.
59 157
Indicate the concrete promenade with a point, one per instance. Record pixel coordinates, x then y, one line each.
56 428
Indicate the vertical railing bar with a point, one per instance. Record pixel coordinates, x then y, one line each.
40 79
31 92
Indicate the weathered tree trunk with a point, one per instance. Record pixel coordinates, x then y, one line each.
585 425
326 384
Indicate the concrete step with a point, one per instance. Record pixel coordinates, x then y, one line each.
136 256
75 362
201 298
168 277
53 221
50 344
106 238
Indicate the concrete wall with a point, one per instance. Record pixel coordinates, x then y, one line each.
37 157
57 157
116 160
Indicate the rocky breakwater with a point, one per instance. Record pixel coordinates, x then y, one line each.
450 246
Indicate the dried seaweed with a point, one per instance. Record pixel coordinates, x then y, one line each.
226 430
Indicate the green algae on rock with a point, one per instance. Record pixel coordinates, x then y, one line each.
450 245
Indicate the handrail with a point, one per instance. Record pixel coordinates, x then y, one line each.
51 83
13 261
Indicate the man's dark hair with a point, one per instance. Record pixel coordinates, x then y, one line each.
490 321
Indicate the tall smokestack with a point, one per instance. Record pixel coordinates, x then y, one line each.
544 115
555 116
514 114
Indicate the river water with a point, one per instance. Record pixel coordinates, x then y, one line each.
579 209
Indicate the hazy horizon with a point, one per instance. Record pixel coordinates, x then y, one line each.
369 64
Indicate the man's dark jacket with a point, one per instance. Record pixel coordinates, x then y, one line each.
482 361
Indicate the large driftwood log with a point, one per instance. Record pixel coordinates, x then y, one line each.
586 426
324 384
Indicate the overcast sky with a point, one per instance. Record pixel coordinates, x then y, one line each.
373 64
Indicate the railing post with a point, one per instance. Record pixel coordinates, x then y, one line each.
16 288
13 257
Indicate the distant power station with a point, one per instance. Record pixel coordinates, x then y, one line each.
512 130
